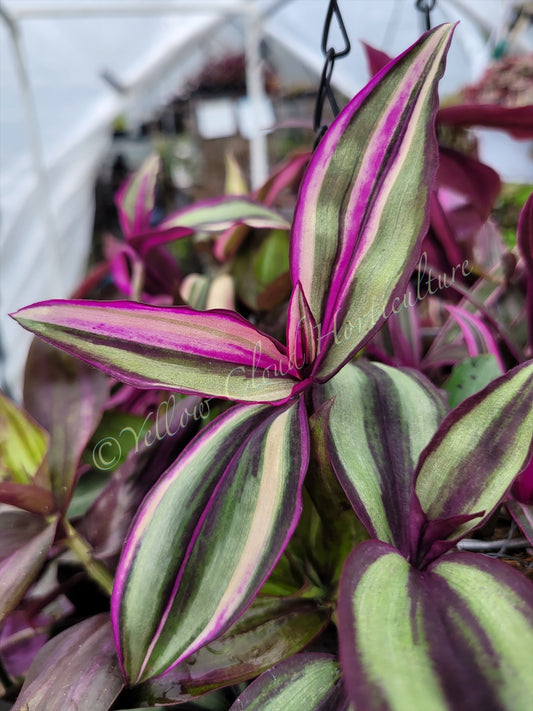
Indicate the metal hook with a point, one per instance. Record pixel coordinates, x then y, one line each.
333 9
425 7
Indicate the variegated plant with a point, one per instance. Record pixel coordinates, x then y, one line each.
213 528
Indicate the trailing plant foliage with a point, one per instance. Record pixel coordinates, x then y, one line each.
327 503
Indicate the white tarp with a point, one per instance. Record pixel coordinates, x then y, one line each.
147 48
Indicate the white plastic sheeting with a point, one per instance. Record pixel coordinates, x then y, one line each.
54 132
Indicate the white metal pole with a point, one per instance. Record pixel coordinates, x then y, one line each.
256 96
34 138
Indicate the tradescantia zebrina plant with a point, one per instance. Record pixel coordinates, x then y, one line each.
207 536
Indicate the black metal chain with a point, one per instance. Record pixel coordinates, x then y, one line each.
425 7
331 54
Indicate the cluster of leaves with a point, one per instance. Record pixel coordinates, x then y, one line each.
296 549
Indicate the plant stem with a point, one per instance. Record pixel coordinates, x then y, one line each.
79 546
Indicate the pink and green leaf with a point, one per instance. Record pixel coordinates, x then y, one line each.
135 199
222 213
208 535
214 353
476 334
310 681
477 452
363 203
458 635
392 415
77 669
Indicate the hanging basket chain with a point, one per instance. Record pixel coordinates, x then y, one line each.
425 7
331 54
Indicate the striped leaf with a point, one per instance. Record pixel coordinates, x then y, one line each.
309 681
363 203
455 637
477 452
207 536
210 353
477 336
222 213
380 421
135 199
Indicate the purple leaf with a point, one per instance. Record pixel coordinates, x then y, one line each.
523 515
67 398
28 497
524 242
78 669
523 486
26 540
516 120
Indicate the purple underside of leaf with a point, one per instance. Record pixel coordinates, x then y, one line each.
215 353
523 515
156 236
516 120
67 397
20 568
468 176
208 534
362 208
523 486
477 451
77 669
28 497
301 331
524 242
440 630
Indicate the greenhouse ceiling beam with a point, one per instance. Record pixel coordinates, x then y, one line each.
40 10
